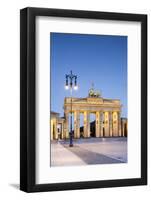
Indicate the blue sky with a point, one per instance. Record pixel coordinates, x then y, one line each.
101 59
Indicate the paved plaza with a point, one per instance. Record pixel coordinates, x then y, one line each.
89 151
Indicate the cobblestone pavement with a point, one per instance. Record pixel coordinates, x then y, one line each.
89 151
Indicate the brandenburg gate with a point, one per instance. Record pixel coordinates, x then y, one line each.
107 112
108 121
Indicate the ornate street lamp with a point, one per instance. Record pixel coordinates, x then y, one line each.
71 83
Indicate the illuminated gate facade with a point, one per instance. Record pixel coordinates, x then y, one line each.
107 112
108 121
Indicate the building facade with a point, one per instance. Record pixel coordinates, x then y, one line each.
56 126
108 121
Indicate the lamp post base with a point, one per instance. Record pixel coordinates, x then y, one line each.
71 141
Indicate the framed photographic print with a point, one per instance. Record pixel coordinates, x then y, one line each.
83 99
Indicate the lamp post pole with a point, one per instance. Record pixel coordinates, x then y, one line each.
69 85
71 134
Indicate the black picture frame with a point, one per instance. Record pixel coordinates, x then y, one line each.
28 99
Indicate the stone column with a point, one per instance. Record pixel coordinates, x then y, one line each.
66 126
56 129
111 123
106 124
119 124
62 130
86 124
101 124
122 128
97 124
115 124
51 129
76 124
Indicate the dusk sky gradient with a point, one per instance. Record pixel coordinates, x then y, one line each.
101 59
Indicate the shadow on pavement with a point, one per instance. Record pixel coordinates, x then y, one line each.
90 157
